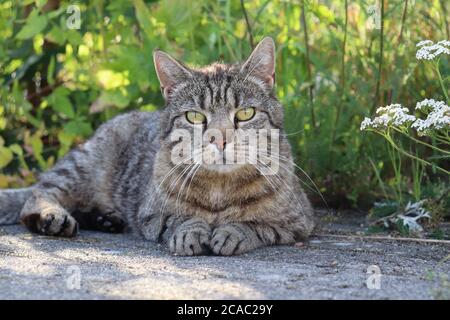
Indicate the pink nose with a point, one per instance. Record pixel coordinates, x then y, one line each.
219 142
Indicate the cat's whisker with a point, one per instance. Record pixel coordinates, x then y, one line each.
173 185
272 184
180 190
291 162
183 161
190 182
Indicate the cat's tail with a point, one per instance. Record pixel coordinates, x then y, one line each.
11 203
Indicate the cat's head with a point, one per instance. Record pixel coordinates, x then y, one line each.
222 101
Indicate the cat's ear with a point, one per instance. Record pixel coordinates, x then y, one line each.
170 72
261 62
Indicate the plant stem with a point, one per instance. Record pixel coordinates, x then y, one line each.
378 176
392 143
308 64
441 81
444 11
249 27
344 43
397 168
380 62
420 141
405 11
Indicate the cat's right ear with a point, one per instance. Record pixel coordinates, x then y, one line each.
170 72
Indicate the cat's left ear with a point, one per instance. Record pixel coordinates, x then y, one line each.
170 72
261 62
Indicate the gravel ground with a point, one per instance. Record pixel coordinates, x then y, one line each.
106 266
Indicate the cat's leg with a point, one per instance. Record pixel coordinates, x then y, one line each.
241 237
43 213
58 193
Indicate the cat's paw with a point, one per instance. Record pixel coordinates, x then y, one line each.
232 239
110 222
52 224
191 238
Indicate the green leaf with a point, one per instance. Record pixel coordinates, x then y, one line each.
6 156
35 24
36 144
143 16
57 36
61 103
51 71
78 128
119 98
15 148
66 140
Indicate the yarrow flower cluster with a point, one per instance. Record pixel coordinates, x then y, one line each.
438 116
393 114
430 50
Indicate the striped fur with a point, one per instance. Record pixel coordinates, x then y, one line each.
11 202
124 177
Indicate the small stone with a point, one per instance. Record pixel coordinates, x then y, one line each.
299 244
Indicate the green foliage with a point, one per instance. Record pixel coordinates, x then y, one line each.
57 85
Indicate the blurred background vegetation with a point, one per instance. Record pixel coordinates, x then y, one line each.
337 61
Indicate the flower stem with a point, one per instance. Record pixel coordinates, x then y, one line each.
395 146
441 81
421 142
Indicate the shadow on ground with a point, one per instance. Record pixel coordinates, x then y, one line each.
105 266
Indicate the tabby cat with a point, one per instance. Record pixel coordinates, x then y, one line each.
124 177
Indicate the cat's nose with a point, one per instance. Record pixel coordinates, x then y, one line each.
219 140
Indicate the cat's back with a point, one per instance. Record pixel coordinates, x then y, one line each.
119 141
126 126
116 148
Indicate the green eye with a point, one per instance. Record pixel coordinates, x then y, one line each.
245 114
195 117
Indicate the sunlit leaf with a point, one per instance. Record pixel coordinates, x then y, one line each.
35 24
60 102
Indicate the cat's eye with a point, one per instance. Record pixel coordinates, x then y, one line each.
195 117
245 114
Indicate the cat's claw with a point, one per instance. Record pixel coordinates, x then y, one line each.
229 240
52 224
185 242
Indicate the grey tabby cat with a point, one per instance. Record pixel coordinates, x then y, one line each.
123 177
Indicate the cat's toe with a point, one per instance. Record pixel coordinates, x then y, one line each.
228 240
52 224
190 243
111 222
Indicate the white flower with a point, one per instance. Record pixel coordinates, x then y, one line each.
366 123
424 42
393 114
437 118
430 50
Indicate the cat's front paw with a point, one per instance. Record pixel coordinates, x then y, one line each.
52 223
191 238
233 239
